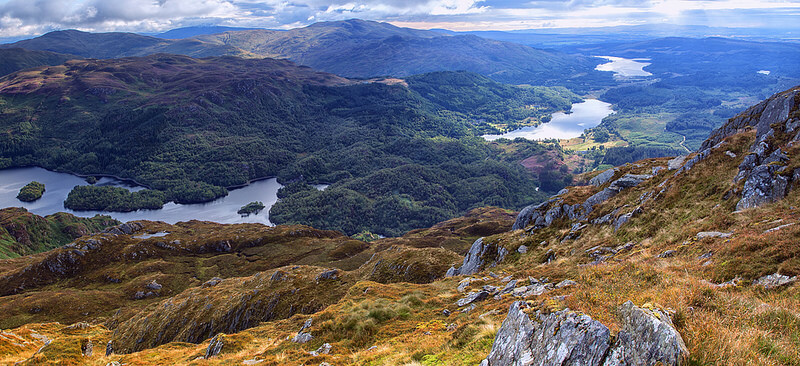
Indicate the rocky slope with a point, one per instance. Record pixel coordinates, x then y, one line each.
650 263
23 233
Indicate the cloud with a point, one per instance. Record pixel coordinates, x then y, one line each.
32 17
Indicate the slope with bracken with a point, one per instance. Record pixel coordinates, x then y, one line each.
702 246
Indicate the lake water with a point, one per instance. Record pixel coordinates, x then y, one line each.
624 67
58 185
587 114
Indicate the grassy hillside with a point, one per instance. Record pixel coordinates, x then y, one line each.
357 48
15 59
190 127
118 44
23 233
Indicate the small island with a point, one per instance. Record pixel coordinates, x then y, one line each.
116 199
31 192
251 208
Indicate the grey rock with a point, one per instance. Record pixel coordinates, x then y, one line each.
509 287
656 170
667 254
630 180
473 296
706 256
566 283
778 228
462 286
763 185
625 247
446 312
215 346
522 249
302 338
731 154
324 349
603 177
562 338
212 282
713 234
646 338
155 286
109 348
774 280
676 162
328 275
474 260
307 324
562 192
699 156
87 348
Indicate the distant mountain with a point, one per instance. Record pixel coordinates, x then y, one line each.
14 59
358 48
187 32
114 45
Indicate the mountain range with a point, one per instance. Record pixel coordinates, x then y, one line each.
353 48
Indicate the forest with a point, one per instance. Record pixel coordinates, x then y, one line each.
397 156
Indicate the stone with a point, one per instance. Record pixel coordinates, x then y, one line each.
522 249
713 234
667 254
625 247
763 185
566 283
215 346
561 338
302 338
252 362
603 177
462 286
731 154
155 286
473 297
109 348
676 162
774 281
629 180
327 275
509 287
324 349
474 260
212 282
86 347
647 337
446 312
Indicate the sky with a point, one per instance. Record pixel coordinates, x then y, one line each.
22 18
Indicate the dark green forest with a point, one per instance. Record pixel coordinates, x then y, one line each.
397 157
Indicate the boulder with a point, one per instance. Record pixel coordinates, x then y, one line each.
473 297
565 337
561 338
774 280
603 177
647 337
763 185
475 259
215 346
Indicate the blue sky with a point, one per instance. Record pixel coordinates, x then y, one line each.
33 17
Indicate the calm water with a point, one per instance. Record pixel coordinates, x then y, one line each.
58 185
624 67
584 115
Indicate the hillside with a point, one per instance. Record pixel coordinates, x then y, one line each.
118 44
690 260
188 128
15 59
358 48
23 233
352 48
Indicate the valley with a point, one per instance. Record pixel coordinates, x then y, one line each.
353 192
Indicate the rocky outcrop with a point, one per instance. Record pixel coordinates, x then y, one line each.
544 214
764 169
647 337
561 338
480 255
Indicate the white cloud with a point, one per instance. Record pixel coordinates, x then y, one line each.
30 17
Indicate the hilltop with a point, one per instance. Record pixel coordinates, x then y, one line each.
15 59
351 48
23 233
687 260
